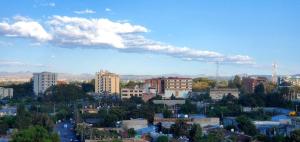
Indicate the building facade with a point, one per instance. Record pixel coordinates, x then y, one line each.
42 81
292 80
107 82
129 92
6 92
218 93
166 87
249 83
178 87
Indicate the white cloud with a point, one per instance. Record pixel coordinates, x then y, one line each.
86 11
107 9
90 32
11 63
74 32
24 27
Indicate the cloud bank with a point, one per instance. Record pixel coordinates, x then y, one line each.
9 63
77 32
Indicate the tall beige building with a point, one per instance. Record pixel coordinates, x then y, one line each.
106 82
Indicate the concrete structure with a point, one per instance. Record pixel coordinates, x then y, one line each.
154 85
6 92
169 102
128 92
249 83
42 81
135 124
179 87
203 122
166 87
106 82
292 80
219 93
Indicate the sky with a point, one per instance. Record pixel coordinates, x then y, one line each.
154 37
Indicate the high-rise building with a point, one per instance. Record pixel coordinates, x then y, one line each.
106 82
42 81
6 92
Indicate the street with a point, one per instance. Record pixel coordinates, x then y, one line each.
66 131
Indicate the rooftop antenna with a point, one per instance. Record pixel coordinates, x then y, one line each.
274 72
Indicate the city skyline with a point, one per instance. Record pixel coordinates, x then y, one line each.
164 38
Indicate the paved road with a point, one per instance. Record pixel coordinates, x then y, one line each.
66 131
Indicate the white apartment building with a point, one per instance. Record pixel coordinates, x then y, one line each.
42 81
6 92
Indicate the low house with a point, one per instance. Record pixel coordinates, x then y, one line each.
135 124
8 111
217 94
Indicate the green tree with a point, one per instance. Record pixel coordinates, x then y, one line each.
88 86
246 125
44 120
196 133
202 84
64 93
180 128
295 136
167 113
162 138
34 134
131 132
188 108
23 118
259 89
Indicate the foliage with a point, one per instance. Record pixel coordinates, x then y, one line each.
88 86
131 84
131 132
295 136
196 133
162 138
215 136
34 134
235 83
259 89
23 118
167 113
202 84
22 90
180 128
6 122
246 125
44 120
188 108
64 93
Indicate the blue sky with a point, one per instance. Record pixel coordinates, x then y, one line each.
150 37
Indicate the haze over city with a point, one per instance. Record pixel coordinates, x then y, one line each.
150 37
